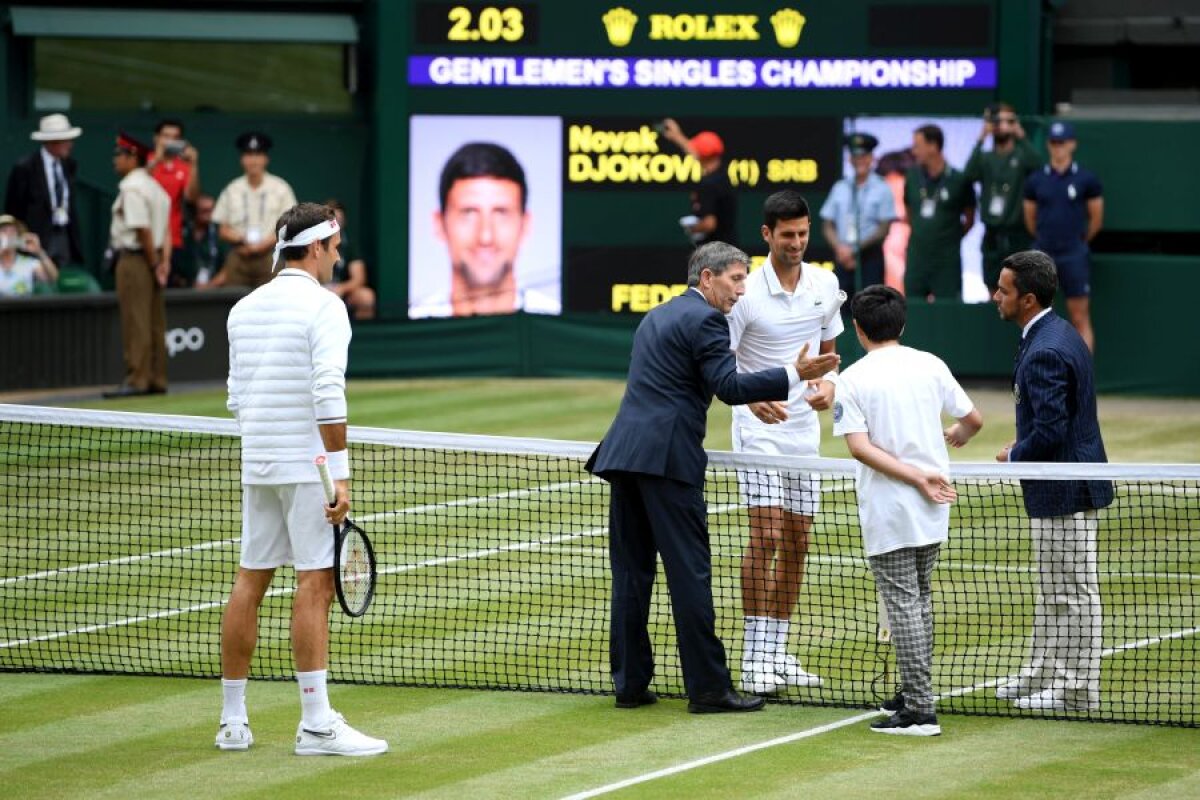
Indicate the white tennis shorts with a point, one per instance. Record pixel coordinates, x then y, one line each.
285 524
797 493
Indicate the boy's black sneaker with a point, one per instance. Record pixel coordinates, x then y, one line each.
908 723
893 705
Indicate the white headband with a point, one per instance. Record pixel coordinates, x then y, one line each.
316 233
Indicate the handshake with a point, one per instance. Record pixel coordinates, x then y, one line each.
819 394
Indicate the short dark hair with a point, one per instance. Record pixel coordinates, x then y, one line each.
880 312
932 134
481 160
1033 273
784 205
171 122
298 218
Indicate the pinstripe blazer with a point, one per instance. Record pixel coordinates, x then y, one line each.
1055 393
681 358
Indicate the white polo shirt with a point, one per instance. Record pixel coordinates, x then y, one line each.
769 325
897 396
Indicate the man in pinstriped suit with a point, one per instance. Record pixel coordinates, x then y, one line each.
1055 394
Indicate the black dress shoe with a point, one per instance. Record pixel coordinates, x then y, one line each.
125 390
721 702
642 698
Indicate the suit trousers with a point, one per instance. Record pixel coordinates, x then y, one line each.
252 271
143 323
903 578
1067 637
650 515
57 245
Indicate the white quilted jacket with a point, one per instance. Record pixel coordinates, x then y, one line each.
288 343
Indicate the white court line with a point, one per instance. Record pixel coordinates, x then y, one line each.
741 751
432 562
833 726
175 551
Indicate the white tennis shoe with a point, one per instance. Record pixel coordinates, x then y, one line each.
234 736
759 677
336 739
792 674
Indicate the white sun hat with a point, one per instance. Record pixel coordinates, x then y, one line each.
55 128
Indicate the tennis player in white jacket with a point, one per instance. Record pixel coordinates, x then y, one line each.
288 343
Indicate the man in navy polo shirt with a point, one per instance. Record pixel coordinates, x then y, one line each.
1064 210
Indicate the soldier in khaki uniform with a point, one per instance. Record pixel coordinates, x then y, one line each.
139 237
247 211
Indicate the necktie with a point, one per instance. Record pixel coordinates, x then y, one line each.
59 185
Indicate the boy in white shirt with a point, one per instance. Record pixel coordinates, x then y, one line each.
888 405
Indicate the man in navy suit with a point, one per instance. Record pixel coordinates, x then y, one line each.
41 190
1055 394
653 457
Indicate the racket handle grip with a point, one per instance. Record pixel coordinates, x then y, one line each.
326 480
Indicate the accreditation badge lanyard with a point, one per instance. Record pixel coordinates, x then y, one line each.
59 216
931 192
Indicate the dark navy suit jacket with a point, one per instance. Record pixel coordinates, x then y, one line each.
1055 393
28 198
680 359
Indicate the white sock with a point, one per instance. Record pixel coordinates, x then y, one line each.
769 645
782 626
234 708
314 699
754 638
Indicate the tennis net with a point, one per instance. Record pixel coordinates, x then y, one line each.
494 568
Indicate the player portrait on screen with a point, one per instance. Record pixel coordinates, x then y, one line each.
478 250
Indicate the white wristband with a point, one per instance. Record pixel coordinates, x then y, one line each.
830 376
339 465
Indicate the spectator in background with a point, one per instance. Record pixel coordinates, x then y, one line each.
940 204
1001 174
141 239
202 252
893 167
176 166
714 205
41 190
1064 210
349 280
22 259
246 210
856 218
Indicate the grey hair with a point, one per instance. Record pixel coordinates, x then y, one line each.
716 257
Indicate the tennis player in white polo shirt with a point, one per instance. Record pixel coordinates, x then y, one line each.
288 345
788 305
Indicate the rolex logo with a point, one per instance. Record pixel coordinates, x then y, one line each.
619 23
787 22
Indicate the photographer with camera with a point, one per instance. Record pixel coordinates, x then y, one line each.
176 167
22 259
1001 174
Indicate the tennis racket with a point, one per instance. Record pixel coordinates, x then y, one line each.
353 557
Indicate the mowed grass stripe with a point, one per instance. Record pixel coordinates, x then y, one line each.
975 757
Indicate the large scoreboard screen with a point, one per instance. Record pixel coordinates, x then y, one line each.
541 177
